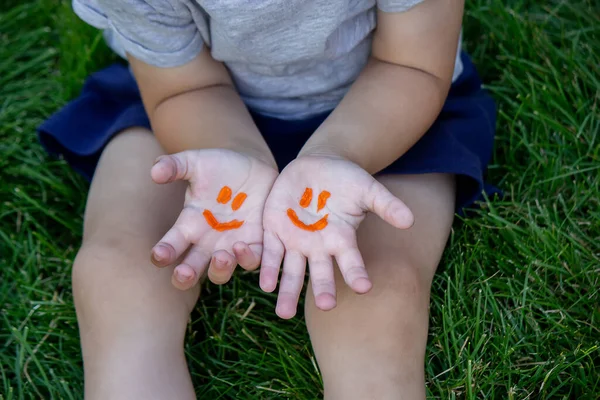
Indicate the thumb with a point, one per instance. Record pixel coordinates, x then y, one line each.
173 167
388 207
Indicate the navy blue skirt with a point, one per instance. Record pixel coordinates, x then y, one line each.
460 142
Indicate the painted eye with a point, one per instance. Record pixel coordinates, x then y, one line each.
225 195
306 199
323 197
238 201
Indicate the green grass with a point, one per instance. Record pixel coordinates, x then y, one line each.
515 311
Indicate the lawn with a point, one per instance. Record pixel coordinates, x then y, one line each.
515 310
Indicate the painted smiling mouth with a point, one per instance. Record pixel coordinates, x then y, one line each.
317 226
220 226
305 202
223 198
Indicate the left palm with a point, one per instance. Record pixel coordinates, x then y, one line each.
312 212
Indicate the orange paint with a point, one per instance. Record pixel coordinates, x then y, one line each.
238 201
221 226
317 226
306 198
323 196
305 202
224 195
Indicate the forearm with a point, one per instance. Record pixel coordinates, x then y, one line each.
400 93
387 110
210 117
195 106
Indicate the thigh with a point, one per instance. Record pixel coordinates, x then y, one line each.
431 197
132 320
123 199
126 214
374 344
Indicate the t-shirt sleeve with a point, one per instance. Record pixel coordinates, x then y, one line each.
397 5
163 33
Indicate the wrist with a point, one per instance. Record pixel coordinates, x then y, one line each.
332 151
260 156
325 150
243 147
253 150
211 118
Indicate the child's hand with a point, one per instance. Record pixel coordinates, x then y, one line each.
222 216
313 211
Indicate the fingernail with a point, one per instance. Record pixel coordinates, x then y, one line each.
267 285
159 159
155 259
221 264
325 301
160 254
181 277
285 312
215 263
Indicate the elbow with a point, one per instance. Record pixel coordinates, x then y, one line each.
434 87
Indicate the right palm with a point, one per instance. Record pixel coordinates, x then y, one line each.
221 221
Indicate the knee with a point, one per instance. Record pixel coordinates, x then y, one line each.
399 282
116 290
114 275
400 294
99 277
106 259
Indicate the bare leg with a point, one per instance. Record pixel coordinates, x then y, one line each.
373 346
132 320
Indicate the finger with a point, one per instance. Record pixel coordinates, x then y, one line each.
388 207
187 274
322 281
177 240
248 256
290 286
271 261
221 267
172 167
353 270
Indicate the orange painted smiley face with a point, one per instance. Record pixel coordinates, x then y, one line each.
223 198
305 202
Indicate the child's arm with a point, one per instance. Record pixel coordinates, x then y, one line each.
195 106
402 90
320 199
196 113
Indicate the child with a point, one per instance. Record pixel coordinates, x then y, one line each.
359 103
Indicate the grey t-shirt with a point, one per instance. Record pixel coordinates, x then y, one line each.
288 58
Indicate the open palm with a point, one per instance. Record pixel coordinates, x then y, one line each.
312 212
221 221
